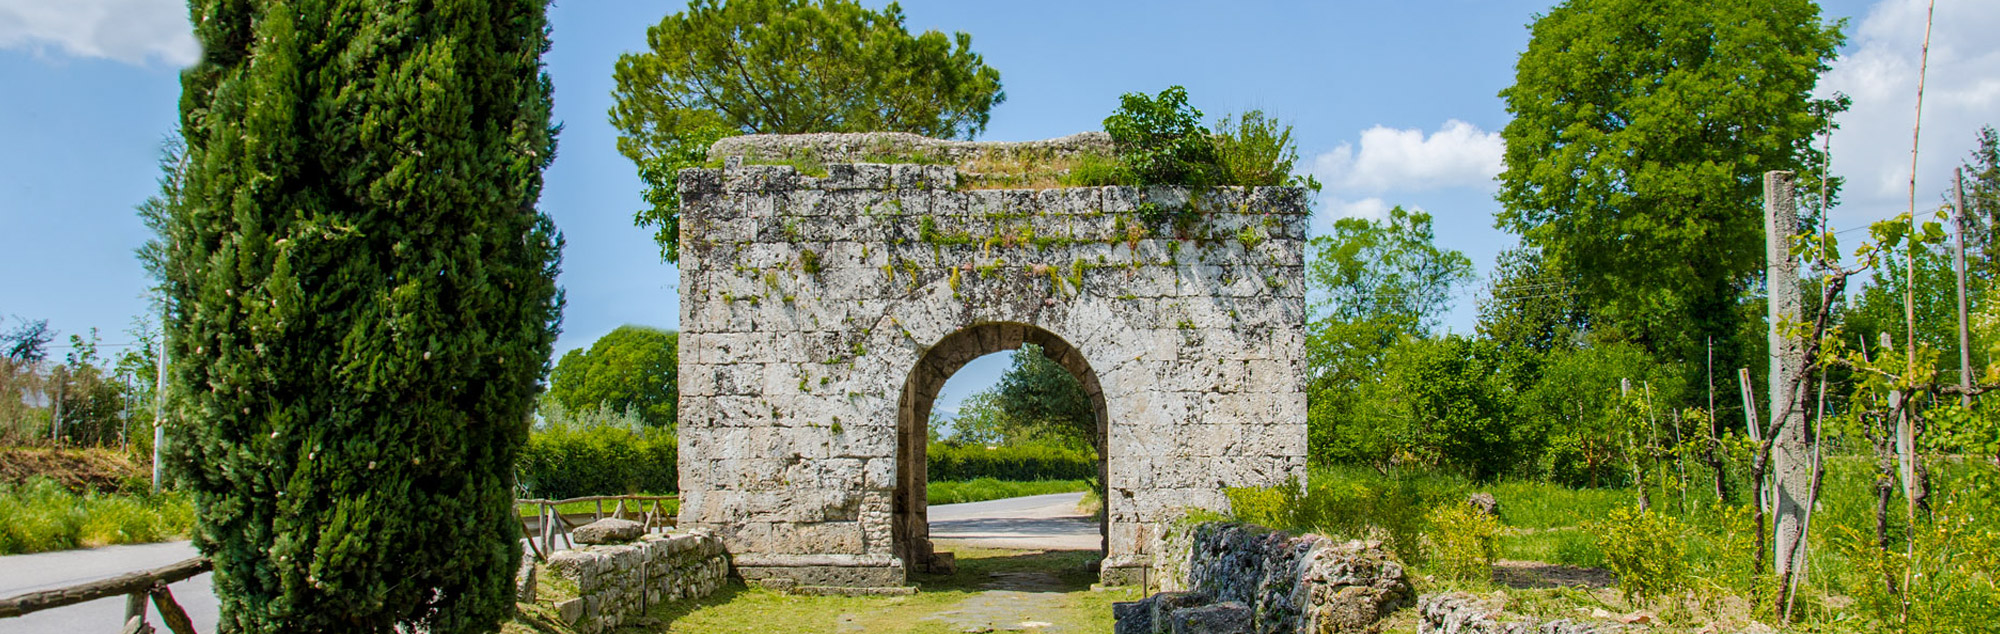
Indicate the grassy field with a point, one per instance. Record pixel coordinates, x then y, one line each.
41 515
983 489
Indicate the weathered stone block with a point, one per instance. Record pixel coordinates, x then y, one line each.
609 530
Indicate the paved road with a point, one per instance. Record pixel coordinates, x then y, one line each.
1036 522
47 571
1041 522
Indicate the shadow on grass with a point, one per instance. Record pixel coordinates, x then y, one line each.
1523 575
979 570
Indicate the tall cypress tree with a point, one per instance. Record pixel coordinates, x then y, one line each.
362 300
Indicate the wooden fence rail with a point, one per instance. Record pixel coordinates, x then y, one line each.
551 523
137 588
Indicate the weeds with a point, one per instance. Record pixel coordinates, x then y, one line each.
40 515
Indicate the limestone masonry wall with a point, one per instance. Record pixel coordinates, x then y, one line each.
616 583
820 314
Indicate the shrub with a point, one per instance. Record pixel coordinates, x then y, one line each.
1160 140
1257 150
1462 541
1644 549
1352 505
1010 462
597 452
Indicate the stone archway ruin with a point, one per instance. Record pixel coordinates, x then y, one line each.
827 279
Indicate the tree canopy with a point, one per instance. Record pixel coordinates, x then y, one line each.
361 301
1036 401
632 368
786 67
1640 135
1388 271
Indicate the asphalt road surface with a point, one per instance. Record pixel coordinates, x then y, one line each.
1040 522
1036 522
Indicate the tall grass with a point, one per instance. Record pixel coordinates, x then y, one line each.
40 515
1951 568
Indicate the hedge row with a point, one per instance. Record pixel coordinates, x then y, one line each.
1017 463
574 461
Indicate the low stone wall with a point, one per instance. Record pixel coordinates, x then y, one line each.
615 584
1226 577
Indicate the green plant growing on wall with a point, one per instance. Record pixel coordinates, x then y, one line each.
362 285
1258 150
1160 140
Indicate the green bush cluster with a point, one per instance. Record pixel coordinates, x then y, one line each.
1462 541
1349 505
1159 140
1011 462
597 452
1644 549
40 515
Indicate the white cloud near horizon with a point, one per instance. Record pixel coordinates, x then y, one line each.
1398 162
1879 71
136 32
1458 154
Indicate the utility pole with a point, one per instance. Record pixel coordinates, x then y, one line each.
159 405
1791 458
1958 262
55 421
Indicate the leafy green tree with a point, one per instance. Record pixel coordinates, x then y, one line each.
1529 308
1458 407
1640 135
1878 307
785 67
1041 399
632 368
360 297
1037 401
1369 285
1387 271
1982 204
1577 417
978 421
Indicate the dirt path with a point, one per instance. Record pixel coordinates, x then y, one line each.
993 591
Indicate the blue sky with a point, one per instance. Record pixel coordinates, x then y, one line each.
1393 103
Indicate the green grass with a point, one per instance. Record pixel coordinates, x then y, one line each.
672 507
40 515
982 489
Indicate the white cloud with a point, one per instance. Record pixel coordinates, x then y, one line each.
1459 154
130 31
1879 71
1366 208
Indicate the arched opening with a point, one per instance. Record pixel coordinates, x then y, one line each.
910 517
